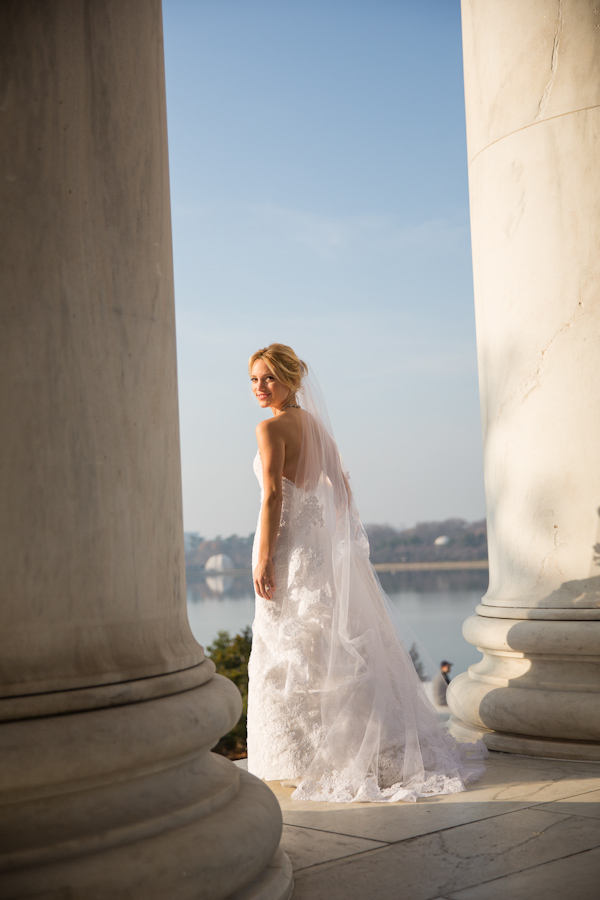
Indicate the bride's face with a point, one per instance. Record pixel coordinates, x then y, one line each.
268 391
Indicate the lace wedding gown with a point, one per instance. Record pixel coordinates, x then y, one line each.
335 706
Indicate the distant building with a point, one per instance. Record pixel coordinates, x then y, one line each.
218 563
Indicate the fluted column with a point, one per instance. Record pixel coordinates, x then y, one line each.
108 708
532 85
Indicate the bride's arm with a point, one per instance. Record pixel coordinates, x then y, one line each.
272 453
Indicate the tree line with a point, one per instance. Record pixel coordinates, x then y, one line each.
465 542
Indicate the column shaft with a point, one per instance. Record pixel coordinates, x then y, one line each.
91 522
532 86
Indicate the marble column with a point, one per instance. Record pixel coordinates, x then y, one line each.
532 86
108 707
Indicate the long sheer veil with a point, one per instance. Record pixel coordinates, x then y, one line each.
375 734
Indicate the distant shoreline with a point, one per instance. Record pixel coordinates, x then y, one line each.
379 567
431 566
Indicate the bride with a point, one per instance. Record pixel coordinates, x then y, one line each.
335 706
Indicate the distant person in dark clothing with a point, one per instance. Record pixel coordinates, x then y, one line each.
440 683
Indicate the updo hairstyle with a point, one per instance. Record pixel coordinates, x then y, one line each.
287 368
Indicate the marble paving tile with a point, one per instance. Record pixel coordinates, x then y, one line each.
502 789
570 767
517 781
396 822
438 864
557 768
307 847
575 877
535 792
580 805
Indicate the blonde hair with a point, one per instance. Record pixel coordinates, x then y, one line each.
285 365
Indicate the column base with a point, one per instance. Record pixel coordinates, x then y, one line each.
536 691
129 802
525 746
275 883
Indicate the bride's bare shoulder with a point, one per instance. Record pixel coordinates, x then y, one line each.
265 430
271 429
285 428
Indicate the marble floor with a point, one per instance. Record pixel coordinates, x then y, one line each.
530 828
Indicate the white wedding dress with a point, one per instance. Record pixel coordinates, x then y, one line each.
335 706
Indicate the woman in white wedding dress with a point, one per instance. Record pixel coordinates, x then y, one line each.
335 706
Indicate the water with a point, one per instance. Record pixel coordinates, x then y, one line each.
433 604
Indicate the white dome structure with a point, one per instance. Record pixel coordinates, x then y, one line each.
220 562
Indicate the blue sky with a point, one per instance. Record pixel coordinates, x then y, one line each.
319 198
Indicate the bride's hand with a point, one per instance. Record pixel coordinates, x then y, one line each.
264 580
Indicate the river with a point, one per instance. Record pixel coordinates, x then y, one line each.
433 604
